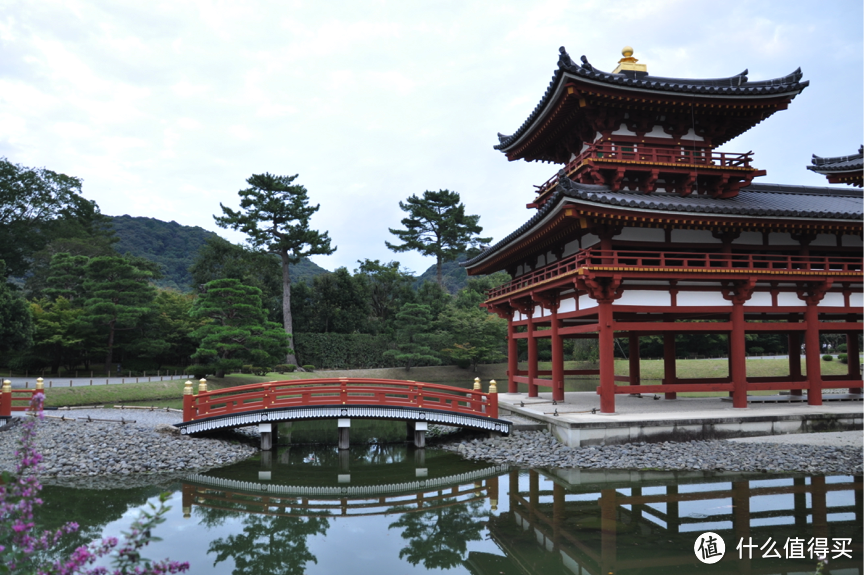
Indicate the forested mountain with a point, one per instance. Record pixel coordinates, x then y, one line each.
455 277
174 247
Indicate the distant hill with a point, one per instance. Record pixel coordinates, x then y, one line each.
175 246
455 277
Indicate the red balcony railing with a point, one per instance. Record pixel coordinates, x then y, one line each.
651 261
659 155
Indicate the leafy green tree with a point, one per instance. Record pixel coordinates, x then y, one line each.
220 259
238 332
473 335
388 288
413 329
437 226
119 295
339 303
60 336
275 215
16 325
66 275
174 325
37 206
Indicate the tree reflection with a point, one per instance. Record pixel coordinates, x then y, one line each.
438 537
270 544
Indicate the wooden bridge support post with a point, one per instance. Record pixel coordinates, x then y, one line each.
6 400
188 402
269 435
795 359
344 429
853 359
409 431
420 429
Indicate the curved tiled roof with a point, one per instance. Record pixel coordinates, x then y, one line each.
839 163
758 200
738 85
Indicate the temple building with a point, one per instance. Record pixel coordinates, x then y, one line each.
841 170
647 229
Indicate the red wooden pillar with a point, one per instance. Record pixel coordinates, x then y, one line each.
607 357
795 359
635 373
813 359
557 358
512 356
669 375
738 356
532 354
819 506
852 353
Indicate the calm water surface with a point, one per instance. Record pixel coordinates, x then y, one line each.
391 509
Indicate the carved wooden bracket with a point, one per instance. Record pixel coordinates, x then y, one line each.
548 301
813 293
525 307
739 291
604 290
502 311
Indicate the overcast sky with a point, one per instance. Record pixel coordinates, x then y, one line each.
165 108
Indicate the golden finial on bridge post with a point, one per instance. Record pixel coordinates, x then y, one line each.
477 384
187 388
493 387
40 383
6 399
7 386
202 385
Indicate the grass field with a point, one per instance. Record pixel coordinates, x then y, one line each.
170 393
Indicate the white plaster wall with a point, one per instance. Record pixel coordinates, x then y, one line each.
571 248
833 299
691 135
785 298
657 132
568 304
856 299
748 239
694 237
825 240
586 302
589 240
623 131
642 235
644 298
759 298
701 298
520 270
853 241
778 239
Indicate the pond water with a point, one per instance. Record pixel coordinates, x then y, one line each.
393 509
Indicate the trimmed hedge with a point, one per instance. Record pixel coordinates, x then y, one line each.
342 350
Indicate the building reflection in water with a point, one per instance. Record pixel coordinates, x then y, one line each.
650 527
564 521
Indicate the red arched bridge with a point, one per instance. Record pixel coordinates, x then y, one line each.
416 403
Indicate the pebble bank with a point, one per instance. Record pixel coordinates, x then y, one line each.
87 449
540 449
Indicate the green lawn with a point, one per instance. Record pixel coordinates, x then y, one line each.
170 393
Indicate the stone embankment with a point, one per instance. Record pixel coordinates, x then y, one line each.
86 449
540 449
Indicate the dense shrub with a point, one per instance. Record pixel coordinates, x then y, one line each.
841 348
342 351
309 367
198 371
285 368
827 357
260 370
843 358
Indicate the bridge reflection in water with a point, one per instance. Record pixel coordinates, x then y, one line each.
487 520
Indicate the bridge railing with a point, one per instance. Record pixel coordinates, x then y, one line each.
338 391
17 399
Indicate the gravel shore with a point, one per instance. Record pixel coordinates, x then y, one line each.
540 449
85 449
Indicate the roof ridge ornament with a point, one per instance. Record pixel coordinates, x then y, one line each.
628 63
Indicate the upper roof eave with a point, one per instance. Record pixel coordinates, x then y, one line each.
737 86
